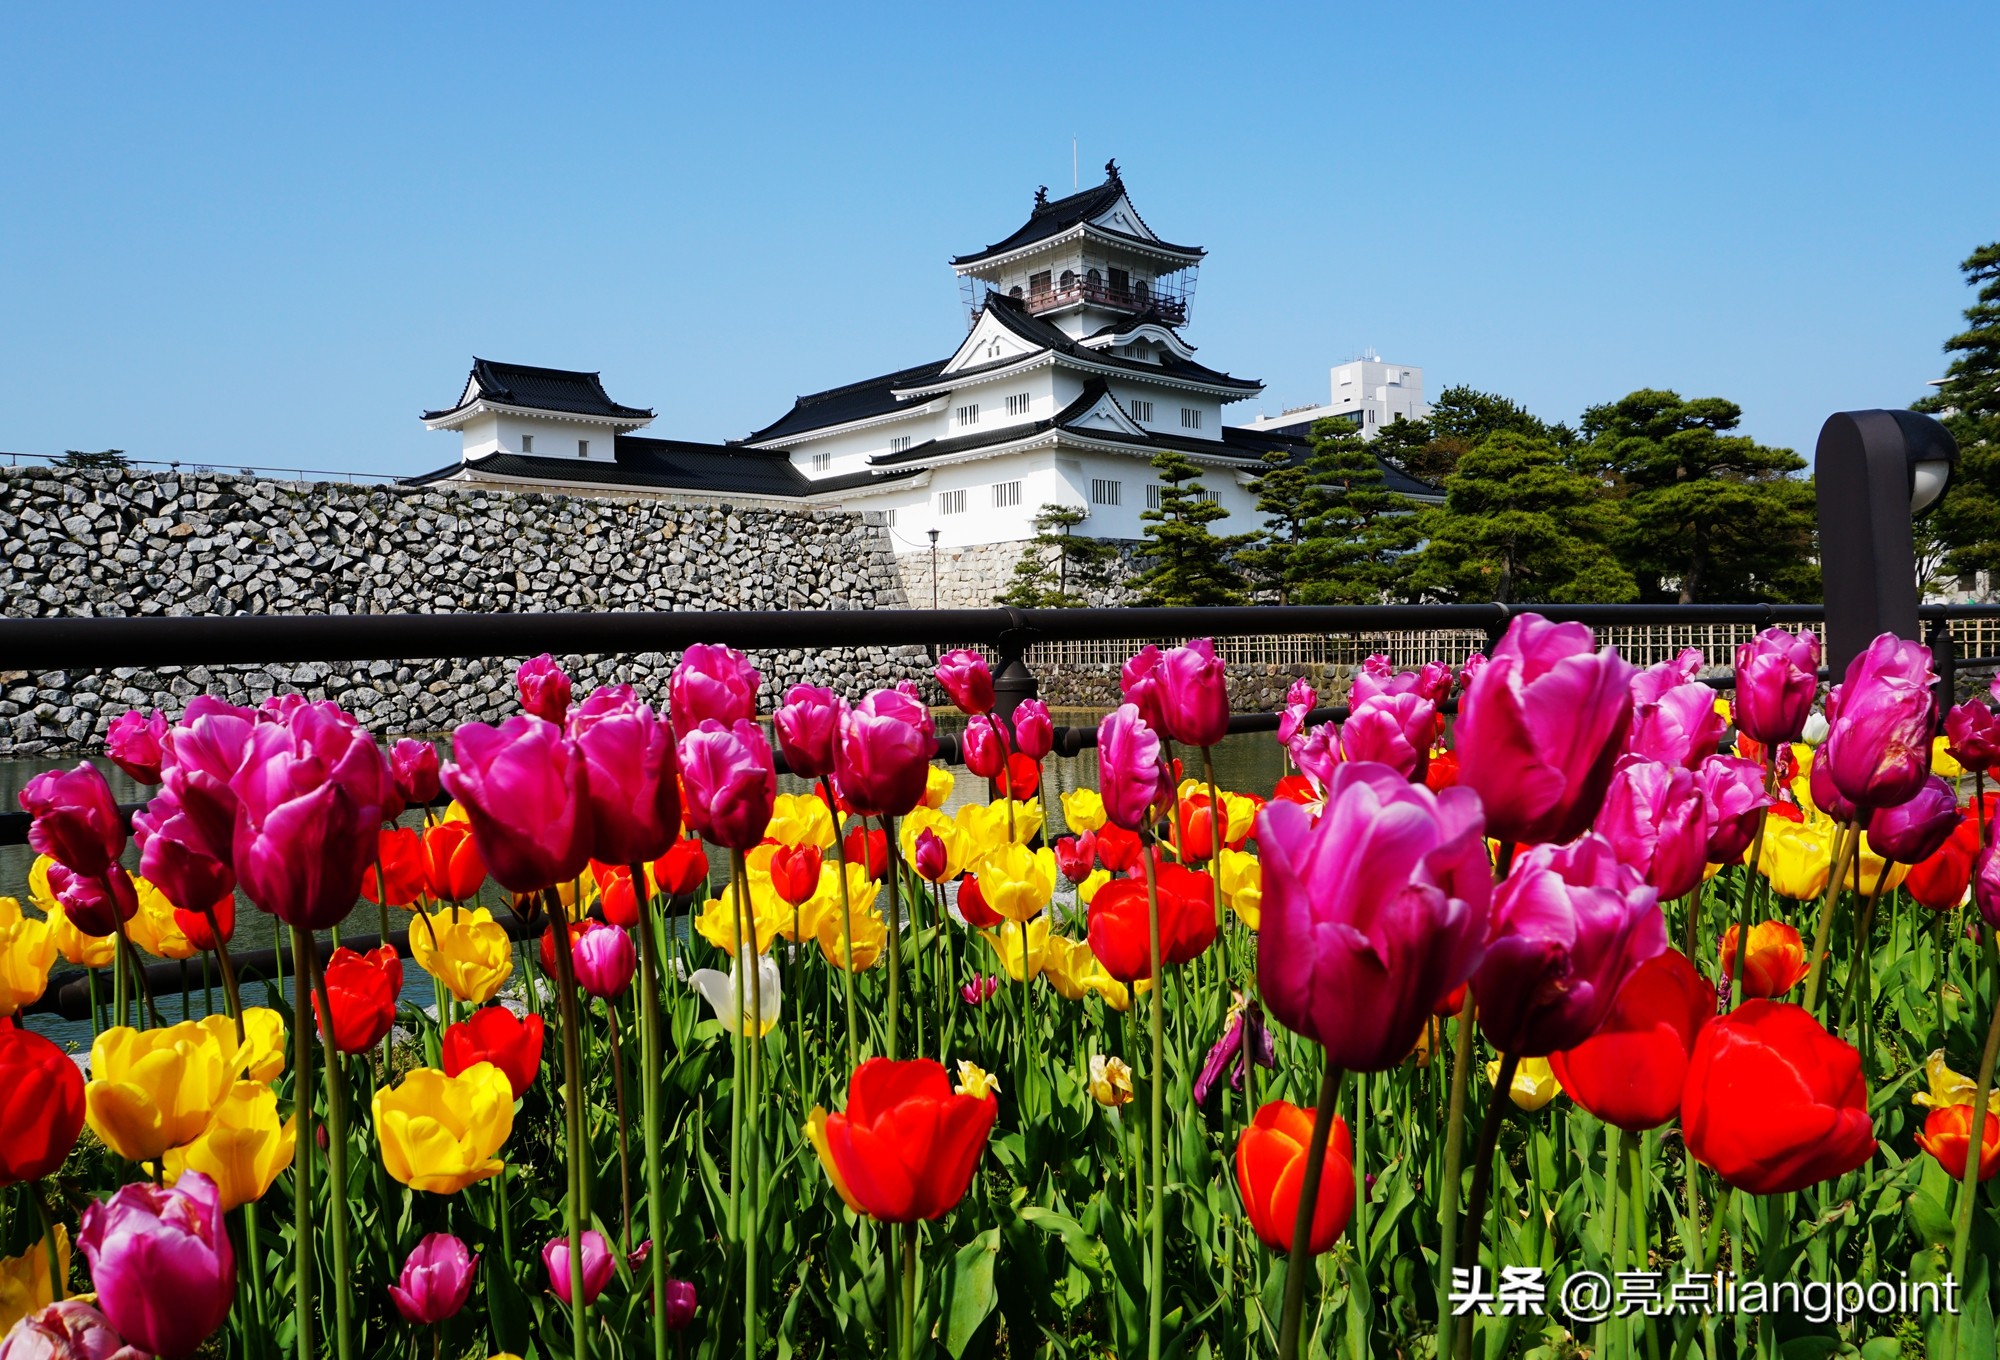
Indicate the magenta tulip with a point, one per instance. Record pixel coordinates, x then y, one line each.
76 820
1194 694
1570 924
161 1262
967 680
1396 730
1377 677
1986 884
136 743
983 748
205 749
713 684
309 801
1972 736
808 724
1034 730
172 859
1140 682
1879 750
1371 915
1732 799
604 960
522 785
1300 700
886 744
680 1305
544 689
630 780
1653 818
932 858
1673 718
436 1280
68 1330
598 1265
1777 674
1316 753
732 784
1916 829
1826 797
94 903
1130 776
413 769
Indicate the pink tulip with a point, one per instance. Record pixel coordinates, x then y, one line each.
1378 677
1034 730
1986 884
436 1280
171 857
205 749
732 784
1141 683
1653 818
1300 700
1827 798
1570 924
413 769
630 777
1541 728
598 1265
77 821
137 744
1878 752
1915 830
713 684
1396 730
967 680
680 1305
309 812
1130 776
1371 915
1973 736
1475 662
161 1262
980 990
932 859
94 903
69 1330
1777 674
1194 694
1317 753
604 960
522 785
1732 800
984 749
808 726
544 689
1673 718
886 744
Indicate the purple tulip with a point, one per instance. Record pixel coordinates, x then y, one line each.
136 743
713 684
982 746
732 783
1130 776
1194 694
544 688
1245 1040
808 724
886 744
604 960
172 859
69 1330
436 1280
598 1265
1827 798
1570 924
1732 800
205 749
630 778
522 785
1986 884
94 903
309 801
1140 682
413 769
1915 830
1034 730
1673 718
1372 914
1879 750
1653 818
932 858
1300 700
967 679
77 821
1396 730
680 1305
161 1262
1542 726
1777 674
1973 736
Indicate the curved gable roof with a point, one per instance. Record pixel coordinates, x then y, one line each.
540 389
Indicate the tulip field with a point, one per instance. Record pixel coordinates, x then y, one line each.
1544 1007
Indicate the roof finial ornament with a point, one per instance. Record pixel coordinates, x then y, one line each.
1041 195
1111 171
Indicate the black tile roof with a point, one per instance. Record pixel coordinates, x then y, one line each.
1014 314
1053 219
542 389
856 401
671 465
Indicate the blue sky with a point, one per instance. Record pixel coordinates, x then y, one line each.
274 234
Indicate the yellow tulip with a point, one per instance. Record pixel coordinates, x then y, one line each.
471 955
1017 882
1083 810
27 952
1027 820
156 1089
871 937
938 784
25 1286
1722 710
1242 884
263 1043
983 827
1941 759
1075 972
1094 880
974 1080
1877 874
945 828
454 812
1535 1083
716 922
1007 944
440 1133
815 1131
84 951
824 905
1110 1081
801 819
1797 856
1949 1088
244 1147
39 891
153 927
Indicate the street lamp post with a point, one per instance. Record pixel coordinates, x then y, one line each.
934 574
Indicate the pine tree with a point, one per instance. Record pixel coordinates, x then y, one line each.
1415 448
1059 569
1966 524
1358 529
1190 563
1284 498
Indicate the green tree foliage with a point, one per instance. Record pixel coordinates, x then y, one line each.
1414 447
1189 562
1706 514
1966 524
1349 548
99 458
1059 569
1284 498
1518 524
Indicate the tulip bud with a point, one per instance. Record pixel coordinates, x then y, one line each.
604 960
1917 828
1777 674
1034 731
933 858
1300 700
967 679
94 903
680 1304
598 1266
413 767
1878 752
1194 693
436 1280
544 689
984 750
1076 856
1130 777
137 745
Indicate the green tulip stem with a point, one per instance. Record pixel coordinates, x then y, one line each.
1156 1286
846 923
746 918
1299 1264
1968 1190
336 1155
574 1210
58 1283
909 1328
304 1265
1362 1080
1857 973
1218 832
229 991
1482 1176
253 1270
649 1107
1454 1152
624 1148
1849 842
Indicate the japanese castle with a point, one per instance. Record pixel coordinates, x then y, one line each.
1072 376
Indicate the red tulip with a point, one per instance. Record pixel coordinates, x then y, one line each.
713 684
867 847
453 869
630 777
1076 856
1453 1002
614 893
400 856
1120 935
512 1043
906 1146
1939 882
1021 779
1773 1102
1271 1175
546 950
173 857
362 990
76 820
1947 1136
795 871
544 689
808 726
1631 1071
682 869
309 799
194 924
972 905
967 679
886 743
137 745
1442 772
41 1105
1117 848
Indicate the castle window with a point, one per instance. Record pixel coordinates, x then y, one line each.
583 448
967 414
1104 491
1121 283
1153 492
1038 284
951 502
1190 417
1142 410
822 461
889 517
1068 279
1006 494
1017 404
1142 291
900 444
527 443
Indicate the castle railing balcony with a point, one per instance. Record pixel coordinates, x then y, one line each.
1171 304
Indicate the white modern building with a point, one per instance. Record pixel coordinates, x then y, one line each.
1366 393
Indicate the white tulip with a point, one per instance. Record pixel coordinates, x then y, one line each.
719 990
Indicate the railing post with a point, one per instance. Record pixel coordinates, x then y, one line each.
1012 680
1496 627
1944 660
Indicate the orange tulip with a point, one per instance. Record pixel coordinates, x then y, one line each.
452 867
1947 1134
1270 1171
1774 962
